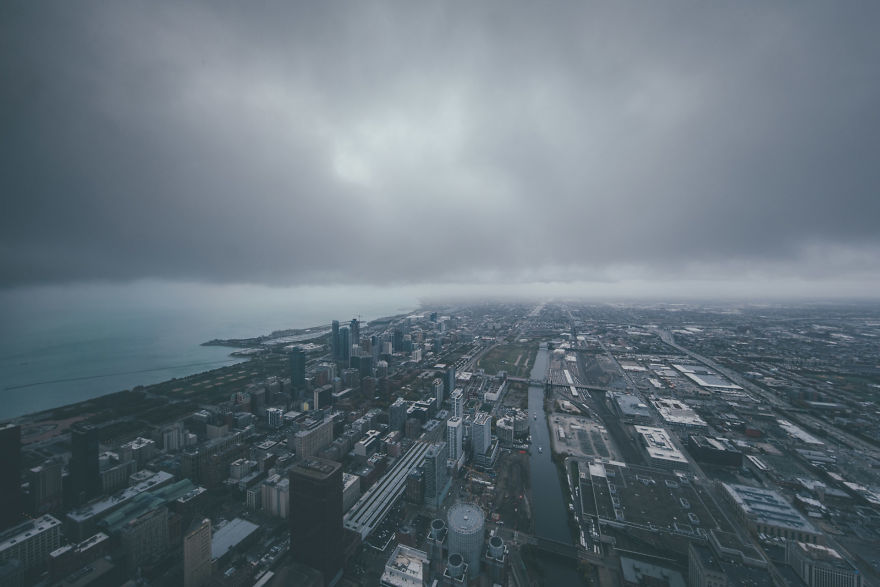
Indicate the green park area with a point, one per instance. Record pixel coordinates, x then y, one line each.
515 358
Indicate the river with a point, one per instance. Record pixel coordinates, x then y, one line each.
549 508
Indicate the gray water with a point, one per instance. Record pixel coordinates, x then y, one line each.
61 345
549 508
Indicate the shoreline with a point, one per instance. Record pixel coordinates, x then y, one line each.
51 422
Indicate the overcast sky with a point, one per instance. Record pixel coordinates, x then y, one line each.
376 143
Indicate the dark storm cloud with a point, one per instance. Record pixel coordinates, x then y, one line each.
374 142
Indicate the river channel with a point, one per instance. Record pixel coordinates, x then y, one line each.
549 504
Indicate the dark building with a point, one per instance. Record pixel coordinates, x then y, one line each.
344 344
46 485
297 370
85 473
316 516
355 331
334 340
10 480
715 451
397 340
449 381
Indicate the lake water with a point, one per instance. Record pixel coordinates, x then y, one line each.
60 345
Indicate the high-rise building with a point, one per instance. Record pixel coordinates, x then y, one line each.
457 399
85 472
46 487
145 538
10 480
344 344
454 437
450 379
466 534
316 516
297 359
397 414
437 387
481 433
334 339
436 477
355 329
197 554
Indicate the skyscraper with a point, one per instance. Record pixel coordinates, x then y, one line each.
355 328
344 344
297 359
197 554
85 475
334 339
397 414
316 516
457 399
481 435
10 479
450 379
454 436
436 478
46 486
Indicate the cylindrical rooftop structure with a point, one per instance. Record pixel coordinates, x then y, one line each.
437 528
466 533
496 547
455 566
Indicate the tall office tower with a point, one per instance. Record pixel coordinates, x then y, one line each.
85 474
344 344
457 399
450 379
316 516
437 385
397 340
334 339
297 359
397 415
197 554
355 327
436 478
481 435
46 487
454 437
10 477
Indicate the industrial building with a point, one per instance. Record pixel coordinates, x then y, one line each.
766 512
661 451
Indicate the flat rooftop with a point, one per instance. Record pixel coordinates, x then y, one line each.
768 507
100 507
659 445
404 567
229 535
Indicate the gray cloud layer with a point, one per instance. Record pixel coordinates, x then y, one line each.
405 142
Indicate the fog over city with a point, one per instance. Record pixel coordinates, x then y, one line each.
622 147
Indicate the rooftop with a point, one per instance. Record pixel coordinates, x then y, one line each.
404 567
229 535
767 507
